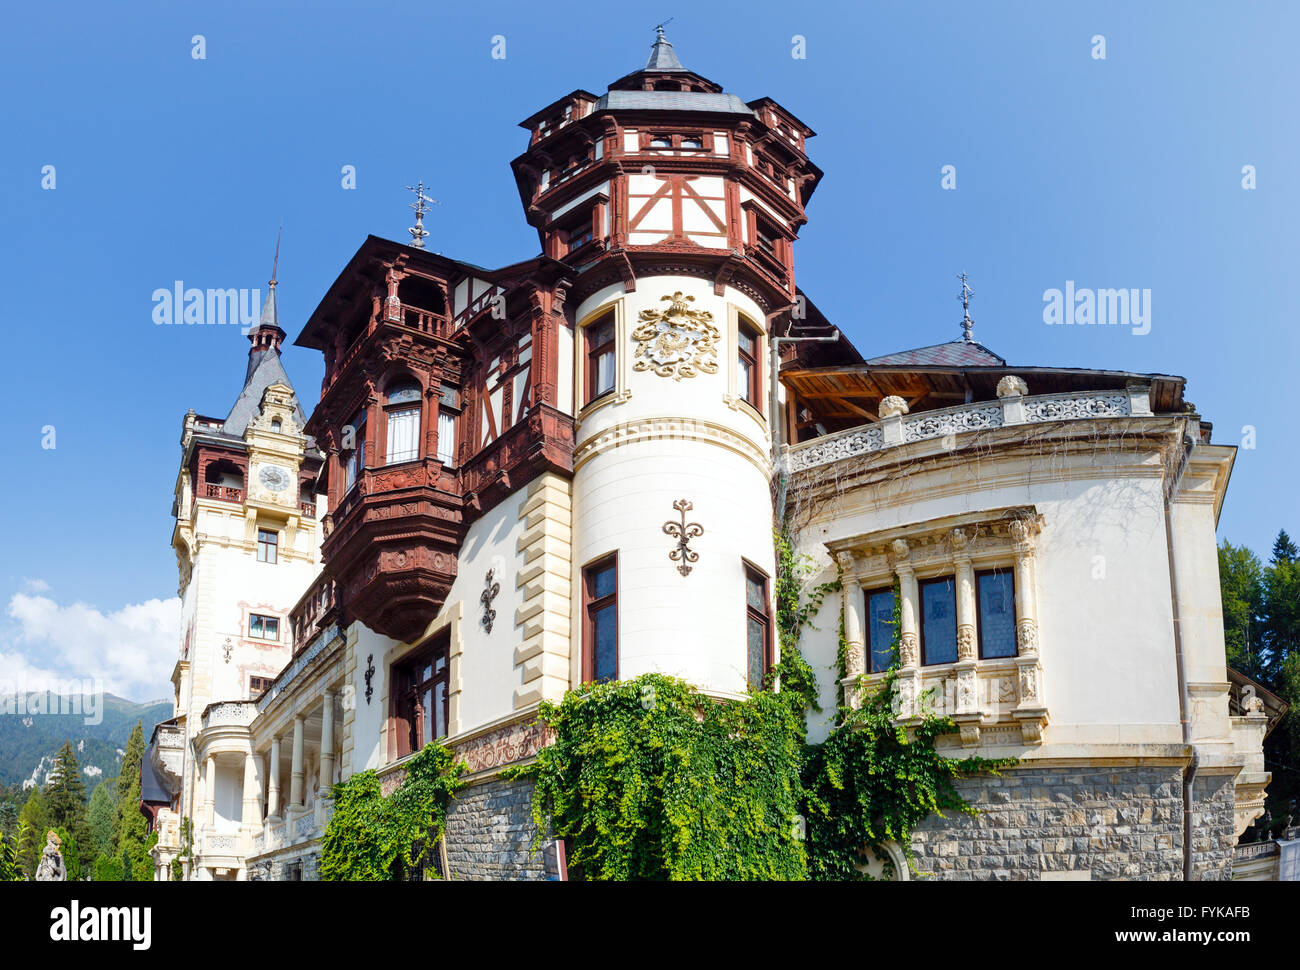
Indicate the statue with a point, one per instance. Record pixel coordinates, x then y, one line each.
51 867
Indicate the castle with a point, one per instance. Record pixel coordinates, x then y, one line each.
567 469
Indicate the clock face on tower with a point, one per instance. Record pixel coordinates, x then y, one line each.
274 477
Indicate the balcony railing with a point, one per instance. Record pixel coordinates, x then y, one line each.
229 714
226 493
983 415
317 609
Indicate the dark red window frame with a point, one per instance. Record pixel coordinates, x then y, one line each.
761 616
753 387
594 353
413 726
593 604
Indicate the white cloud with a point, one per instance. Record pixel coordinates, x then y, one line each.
130 651
35 585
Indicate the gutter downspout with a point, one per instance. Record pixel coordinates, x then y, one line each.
1184 699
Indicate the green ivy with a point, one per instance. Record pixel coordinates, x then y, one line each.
375 838
649 779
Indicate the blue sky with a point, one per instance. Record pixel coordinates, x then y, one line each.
1123 172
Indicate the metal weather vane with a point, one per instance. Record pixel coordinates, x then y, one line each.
421 206
967 324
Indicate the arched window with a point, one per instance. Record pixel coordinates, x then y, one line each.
275 424
403 409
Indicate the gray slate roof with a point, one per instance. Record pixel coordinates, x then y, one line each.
957 353
662 56
264 369
673 101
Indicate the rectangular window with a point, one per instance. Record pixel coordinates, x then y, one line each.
758 628
880 629
600 621
747 363
578 236
995 600
257 686
939 621
267 545
447 437
766 239
356 460
420 684
263 627
600 357
403 435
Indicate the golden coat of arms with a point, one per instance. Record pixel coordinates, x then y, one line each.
677 342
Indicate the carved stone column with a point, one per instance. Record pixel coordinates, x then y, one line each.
1031 710
252 792
909 650
851 592
210 791
327 744
296 777
968 713
273 781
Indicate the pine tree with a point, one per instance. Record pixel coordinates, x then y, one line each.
33 824
10 870
99 819
131 828
65 798
1284 550
8 819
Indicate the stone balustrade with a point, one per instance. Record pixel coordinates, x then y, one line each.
898 427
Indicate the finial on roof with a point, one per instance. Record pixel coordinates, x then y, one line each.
967 324
270 318
421 206
662 57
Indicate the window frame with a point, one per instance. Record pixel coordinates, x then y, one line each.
867 594
765 617
411 725
273 545
263 617
591 604
979 612
752 393
920 617
592 354
354 460
392 408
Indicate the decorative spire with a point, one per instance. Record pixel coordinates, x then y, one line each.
421 206
967 324
270 318
662 57
267 336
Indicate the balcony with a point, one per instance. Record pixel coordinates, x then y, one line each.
899 429
392 545
229 714
317 610
223 493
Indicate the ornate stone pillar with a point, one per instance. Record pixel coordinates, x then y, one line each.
273 781
1031 711
967 652
252 791
909 650
210 791
327 745
296 776
855 649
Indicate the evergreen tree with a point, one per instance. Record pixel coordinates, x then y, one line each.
65 797
33 824
8 819
1284 550
108 869
99 819
71 853
131 828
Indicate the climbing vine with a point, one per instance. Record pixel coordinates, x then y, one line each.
648 779
651 779
373 837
